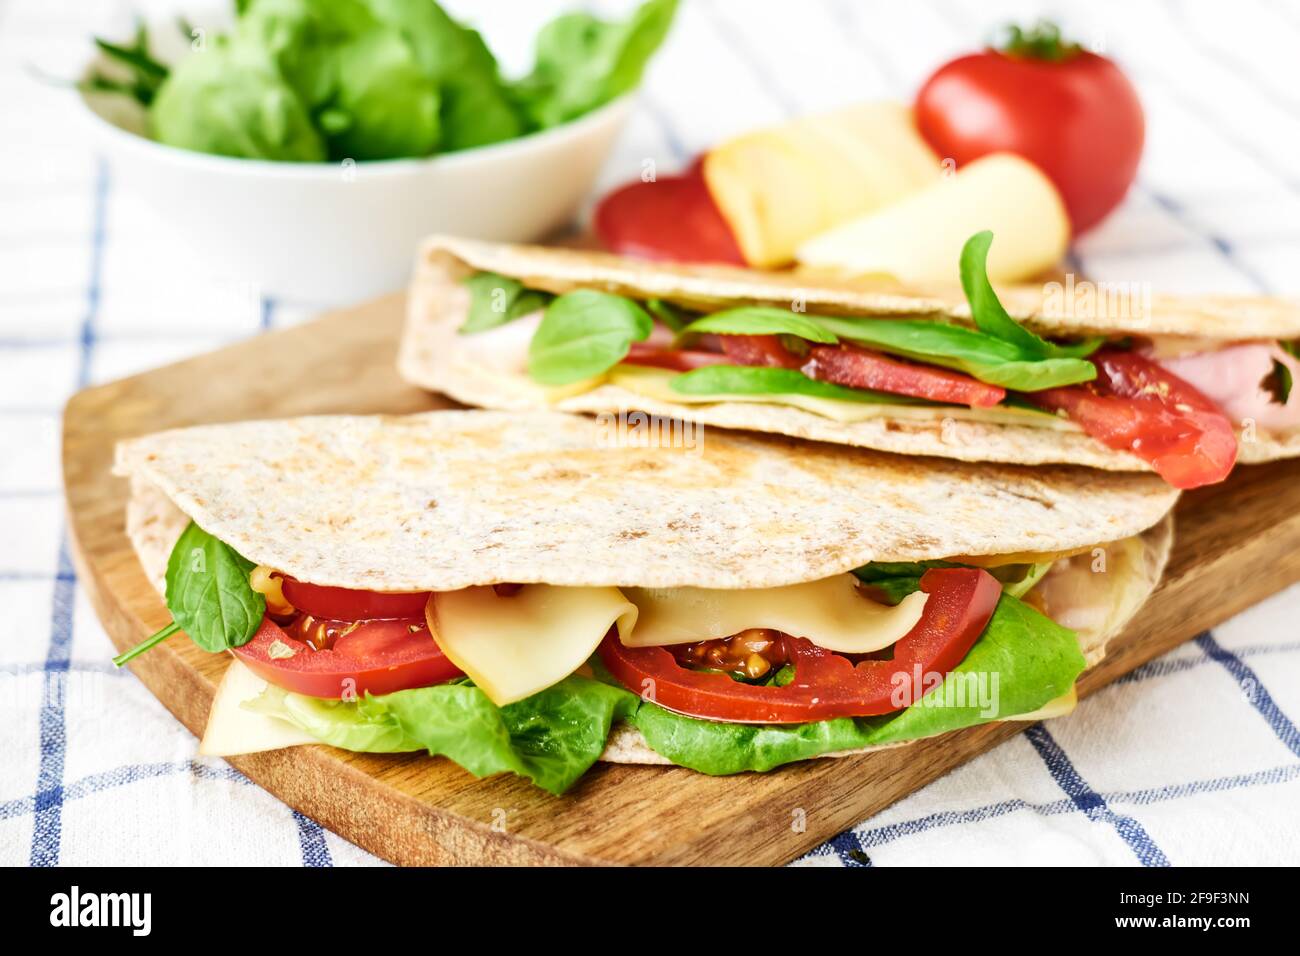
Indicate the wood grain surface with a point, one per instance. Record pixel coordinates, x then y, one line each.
1236 544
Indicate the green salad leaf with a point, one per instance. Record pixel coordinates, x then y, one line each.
310 80
496 299
1035 660
983 356
1277 383
476 106
992 319
761 320
551 738
670 315
230 100
761 380
583 62
208 594
585 333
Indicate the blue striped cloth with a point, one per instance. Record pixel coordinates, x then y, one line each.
1192 759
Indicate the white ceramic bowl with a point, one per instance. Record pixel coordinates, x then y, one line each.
336 233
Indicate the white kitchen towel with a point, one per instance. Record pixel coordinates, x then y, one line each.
1192 759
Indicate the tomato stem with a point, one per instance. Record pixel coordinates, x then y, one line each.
147 644
1042 41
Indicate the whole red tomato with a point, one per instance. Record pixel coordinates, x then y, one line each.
1070 112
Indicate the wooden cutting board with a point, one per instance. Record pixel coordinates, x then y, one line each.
1236 544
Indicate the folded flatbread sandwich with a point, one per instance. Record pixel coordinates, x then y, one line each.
533 591
1063 373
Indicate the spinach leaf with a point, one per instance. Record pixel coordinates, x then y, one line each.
230 100
759 380
583 62
496 299
992 319
208 594
476 106
585 333
976 353
1035 660
761 320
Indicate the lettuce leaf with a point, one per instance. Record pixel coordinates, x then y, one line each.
551 738
1034 659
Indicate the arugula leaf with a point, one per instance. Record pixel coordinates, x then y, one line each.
584 333
760 380
1278 382
761 320
992 319
208 594
496 299
583 62
976 353
1034 658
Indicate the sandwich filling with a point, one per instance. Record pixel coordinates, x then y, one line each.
533 678
1177 407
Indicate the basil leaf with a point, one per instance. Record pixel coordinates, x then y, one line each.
1278 383
761 380
495 300
208 592
992 319
761 320
585 333
976 353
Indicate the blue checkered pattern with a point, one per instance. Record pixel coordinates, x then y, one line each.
1191 759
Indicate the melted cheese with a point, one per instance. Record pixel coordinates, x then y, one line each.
653 383
513 647
832 613
233 730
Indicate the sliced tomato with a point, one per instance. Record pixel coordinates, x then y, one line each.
681 360
861 368
375 656
1135 405
348 604
670 219
825 684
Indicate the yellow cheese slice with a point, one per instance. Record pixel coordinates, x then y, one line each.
832 613
1058 707
653 383
919 238
776 187
513 647
233 730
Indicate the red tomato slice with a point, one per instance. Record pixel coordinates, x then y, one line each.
825 685
375 656
347 604
1135 405
672 219
860 368
681 360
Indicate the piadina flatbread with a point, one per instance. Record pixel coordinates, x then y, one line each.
490 369
592 510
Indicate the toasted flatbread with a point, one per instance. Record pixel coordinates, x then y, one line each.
434 356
